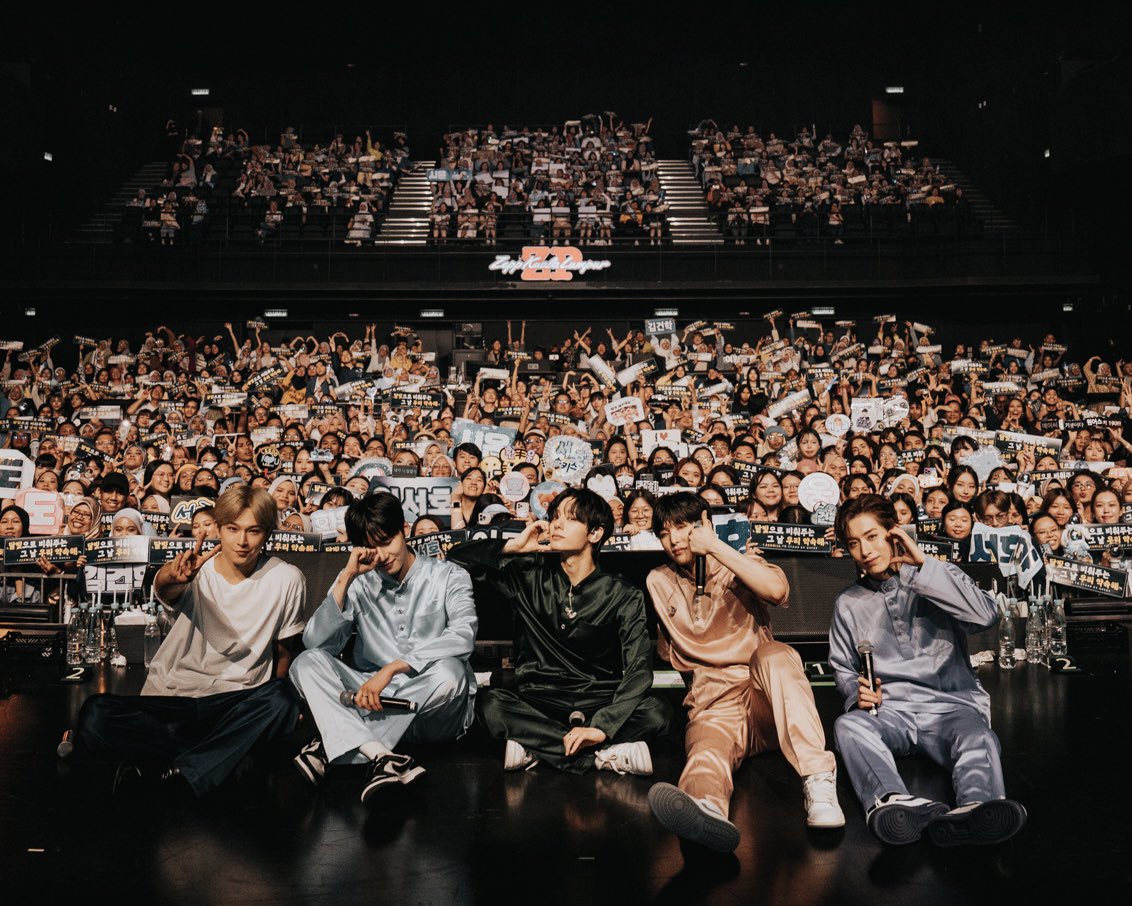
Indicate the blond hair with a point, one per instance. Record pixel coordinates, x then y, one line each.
240 497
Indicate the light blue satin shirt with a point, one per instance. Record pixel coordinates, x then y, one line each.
429 616
918 623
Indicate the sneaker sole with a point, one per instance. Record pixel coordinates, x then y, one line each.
371 789
992 822
899 824
832 824
678 812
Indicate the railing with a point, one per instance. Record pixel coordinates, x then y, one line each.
327 261
31 597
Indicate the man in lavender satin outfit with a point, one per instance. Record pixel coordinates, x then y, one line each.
916 613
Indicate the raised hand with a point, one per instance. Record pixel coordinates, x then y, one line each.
531 541
904 549
184 567
703 538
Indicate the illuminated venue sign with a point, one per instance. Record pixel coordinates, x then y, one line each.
540 262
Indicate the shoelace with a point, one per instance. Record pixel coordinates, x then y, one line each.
821 789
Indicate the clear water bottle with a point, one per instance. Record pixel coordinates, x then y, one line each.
1058 629
76 635
92 647
1006 638
112 632
152 636
1035 630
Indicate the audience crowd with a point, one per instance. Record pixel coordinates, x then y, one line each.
585 181
770 187
269 190
990 433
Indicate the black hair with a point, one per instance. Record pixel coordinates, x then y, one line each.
467 448
375 518
677 509
589 508
337 496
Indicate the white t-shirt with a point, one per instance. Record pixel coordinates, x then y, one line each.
224 636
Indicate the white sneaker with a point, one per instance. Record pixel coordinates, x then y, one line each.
625 758
692 819
901 818
822 808
516 758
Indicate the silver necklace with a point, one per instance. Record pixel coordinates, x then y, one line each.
569 608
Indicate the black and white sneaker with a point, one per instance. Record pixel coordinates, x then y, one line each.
692 819
900 818
312 761
390 769
979 823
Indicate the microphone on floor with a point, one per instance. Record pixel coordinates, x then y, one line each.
346 697
865 650
66 745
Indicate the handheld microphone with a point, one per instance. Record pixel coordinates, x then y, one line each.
701 575
865 650
577 719
66 745
346 697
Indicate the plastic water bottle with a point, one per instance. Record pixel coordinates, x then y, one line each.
152 636
76 635
1058 629
112 632
92 647
1006 639
1035 630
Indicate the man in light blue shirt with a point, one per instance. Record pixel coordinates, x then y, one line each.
915 612
415 621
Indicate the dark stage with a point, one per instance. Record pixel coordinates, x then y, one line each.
466 832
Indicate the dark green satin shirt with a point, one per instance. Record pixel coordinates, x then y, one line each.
602 651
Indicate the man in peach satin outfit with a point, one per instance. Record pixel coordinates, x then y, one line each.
749 693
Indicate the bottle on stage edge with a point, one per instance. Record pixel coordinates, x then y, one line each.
152 636
92 647
1006 638
76 635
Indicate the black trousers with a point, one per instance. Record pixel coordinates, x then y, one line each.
203 737
538 721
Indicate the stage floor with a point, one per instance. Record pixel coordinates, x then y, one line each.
468 833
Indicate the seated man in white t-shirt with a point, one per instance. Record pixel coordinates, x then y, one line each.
218 684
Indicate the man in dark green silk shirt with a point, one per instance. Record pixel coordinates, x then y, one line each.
583 658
